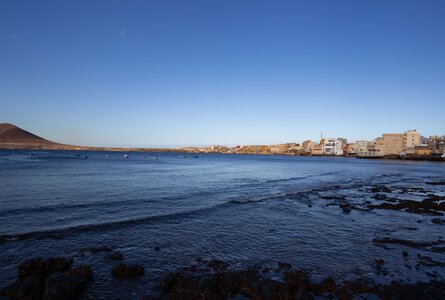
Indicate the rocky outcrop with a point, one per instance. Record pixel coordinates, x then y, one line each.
126 271
200 282
49 279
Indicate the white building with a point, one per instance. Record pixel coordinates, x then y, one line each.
332 146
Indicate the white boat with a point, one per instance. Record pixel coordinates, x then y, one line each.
125 156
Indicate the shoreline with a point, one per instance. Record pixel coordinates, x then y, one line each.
57 278
434 158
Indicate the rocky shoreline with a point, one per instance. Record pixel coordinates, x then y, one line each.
69 278
54 279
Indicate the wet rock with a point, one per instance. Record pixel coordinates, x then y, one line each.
412 244
43 279
98 249
381 197
283 266
351 288
124 270
333 197
380 189
31 287
437 249
59 264
157 248
379 261
35 266
83 271
436 183
250 284
346 208
63 286
217 264
405 253
421 290
433 198
328 285
241 284
296 279
411 228
427 206
116 256
429 262
438 221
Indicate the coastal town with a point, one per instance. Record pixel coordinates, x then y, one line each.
409 144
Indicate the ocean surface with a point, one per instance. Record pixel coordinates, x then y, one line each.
244 209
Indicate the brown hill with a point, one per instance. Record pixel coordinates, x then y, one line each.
14 135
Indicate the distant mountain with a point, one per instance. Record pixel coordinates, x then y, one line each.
12 134
13 137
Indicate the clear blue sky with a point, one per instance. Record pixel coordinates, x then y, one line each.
174 73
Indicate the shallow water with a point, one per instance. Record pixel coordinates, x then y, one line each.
245 209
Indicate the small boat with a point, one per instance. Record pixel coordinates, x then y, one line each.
143 156
125 156
108 155
181 156
84 157
156 158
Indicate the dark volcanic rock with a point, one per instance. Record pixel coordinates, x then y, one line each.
59 264
83 271
380 189
346 208
429 206
382 197
251 284
328 285
116 256
438 221
63 286
283 265
42 279
436 183
217 264
98 249
35 266
123 270
379 261
31 287
333 197
421 290
428 261
225 284
412 244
